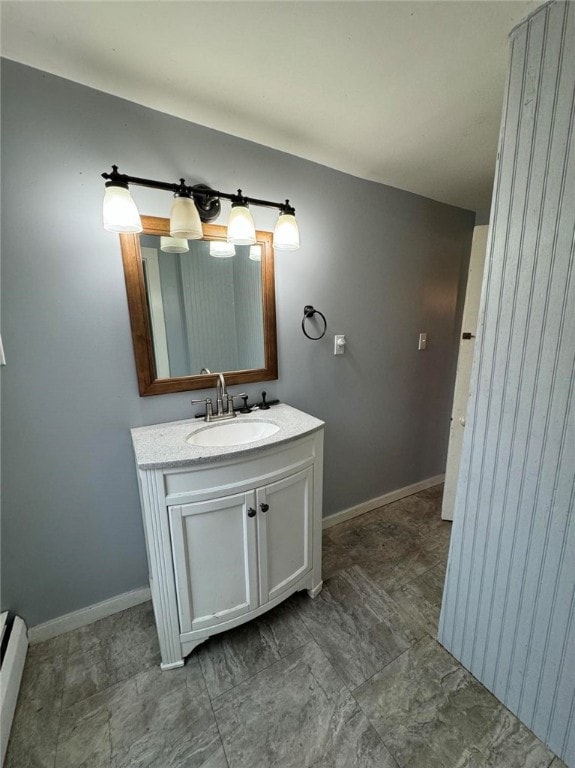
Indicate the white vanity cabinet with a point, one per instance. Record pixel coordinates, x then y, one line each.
230 535
236 553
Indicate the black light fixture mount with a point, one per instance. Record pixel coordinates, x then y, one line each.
121 213
207 200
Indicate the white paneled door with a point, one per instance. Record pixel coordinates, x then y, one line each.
464 361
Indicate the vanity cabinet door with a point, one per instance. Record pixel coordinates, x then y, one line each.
215 560
284 532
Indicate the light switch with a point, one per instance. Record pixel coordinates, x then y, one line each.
339 344
422 341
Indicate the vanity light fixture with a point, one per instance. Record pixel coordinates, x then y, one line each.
192 206
286 233
241 228
120 212
184 218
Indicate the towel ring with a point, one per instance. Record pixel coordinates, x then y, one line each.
308 313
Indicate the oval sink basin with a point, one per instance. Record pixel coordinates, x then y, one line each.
232 433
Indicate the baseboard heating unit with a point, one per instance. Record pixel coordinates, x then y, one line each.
13 647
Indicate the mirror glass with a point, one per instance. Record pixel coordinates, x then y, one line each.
199 307
205 306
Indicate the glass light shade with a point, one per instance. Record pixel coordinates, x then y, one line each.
241 229
221 250
256 252
185 220
286 233
174 245
119 211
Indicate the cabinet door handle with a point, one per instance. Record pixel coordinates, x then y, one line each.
264 507
251 512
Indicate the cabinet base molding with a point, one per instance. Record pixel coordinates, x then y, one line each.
380 501
172 665
313 592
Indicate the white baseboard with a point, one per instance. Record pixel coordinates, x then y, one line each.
10 678
88 615
380 501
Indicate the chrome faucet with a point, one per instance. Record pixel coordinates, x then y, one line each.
220 394
222 397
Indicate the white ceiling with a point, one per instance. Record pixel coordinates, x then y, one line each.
404 93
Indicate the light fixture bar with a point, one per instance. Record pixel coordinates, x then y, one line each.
206 198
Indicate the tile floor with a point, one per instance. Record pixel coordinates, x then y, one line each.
352 679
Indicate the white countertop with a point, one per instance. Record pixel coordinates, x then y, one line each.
164 445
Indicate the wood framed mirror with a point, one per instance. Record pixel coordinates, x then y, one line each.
210 308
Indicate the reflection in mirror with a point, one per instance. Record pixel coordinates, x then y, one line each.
205 307
197 306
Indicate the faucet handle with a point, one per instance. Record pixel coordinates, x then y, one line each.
208 403
231 401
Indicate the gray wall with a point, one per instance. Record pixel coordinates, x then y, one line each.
509 605
382 264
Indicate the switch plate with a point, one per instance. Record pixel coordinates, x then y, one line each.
339 344
422 341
